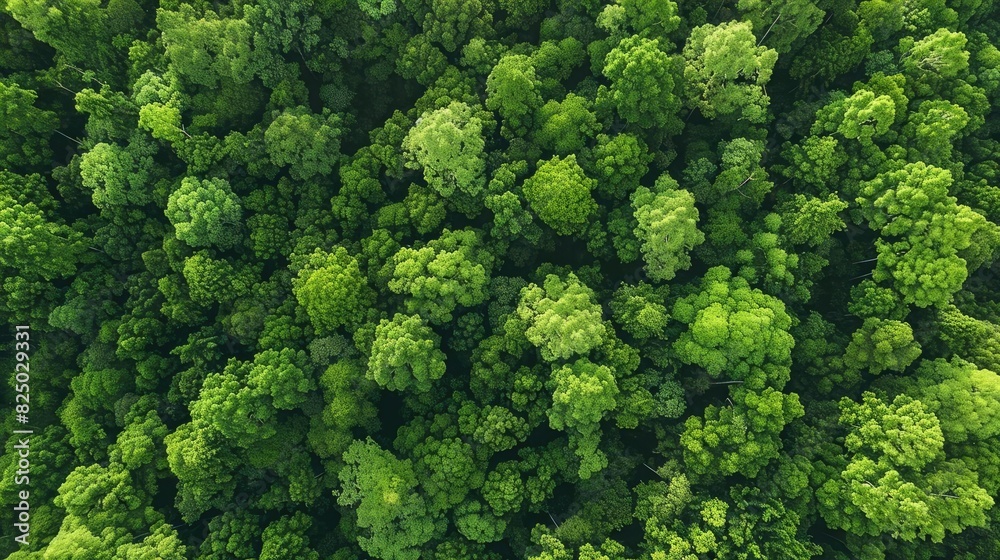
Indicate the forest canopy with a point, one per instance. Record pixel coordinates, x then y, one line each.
501 279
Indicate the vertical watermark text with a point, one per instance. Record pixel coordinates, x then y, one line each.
22 411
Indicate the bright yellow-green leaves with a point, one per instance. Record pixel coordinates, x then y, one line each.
618 163
494 427
668 229
117 175
202 460
811 221
348 395
881 345
81 31
205 213
33 246
242 401
106 513
725 71
898 480
941 54
934 129
282 375
644 88
782 24
392 516
441 276
866 115
563 318
448 145
560 193
742 437
161 101
768 264
474 521
965 398
973 339
814 160
582 394
206 49
566 126
332 289
512 90
376 9
212 280
651 17
923 231
742 180
735 332
406 353
421 60
862 116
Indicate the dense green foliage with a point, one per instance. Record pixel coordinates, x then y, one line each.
503 279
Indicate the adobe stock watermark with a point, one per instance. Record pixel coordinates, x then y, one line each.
22 410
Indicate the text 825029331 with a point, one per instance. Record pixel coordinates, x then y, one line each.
22 408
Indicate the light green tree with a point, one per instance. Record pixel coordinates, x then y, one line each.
406 352
205 48
619 163
442 275
923 232
735 332
741 438
964 397
562 318
640 310
448 471
560 193
31 246
807 220
512 90
392 515
286 538
880 345
726 70
213 280
309 144
25 129
970 338
205 213
815 160
333 290
565 127
582 394
204 464
941 54
668 228
643 86
449 22
897 480
448 145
